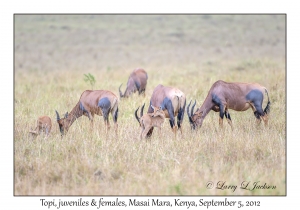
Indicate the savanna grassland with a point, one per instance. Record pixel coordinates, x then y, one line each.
53 52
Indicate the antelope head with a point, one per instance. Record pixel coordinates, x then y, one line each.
194 118
62 123
157 111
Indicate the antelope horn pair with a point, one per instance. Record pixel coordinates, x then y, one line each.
190 114
141 113
57 115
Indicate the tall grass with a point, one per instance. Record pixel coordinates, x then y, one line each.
52 53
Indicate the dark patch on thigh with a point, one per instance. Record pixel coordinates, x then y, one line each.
164 105
216 100
256 97
167 104
81 107
137 84
104 103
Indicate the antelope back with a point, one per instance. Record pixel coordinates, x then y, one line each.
140 76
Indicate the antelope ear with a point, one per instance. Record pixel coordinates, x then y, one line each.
66 115
152 107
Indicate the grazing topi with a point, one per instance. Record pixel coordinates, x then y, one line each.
91 102
137 81
236 96
172 101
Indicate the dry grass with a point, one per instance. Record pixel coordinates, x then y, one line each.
190 52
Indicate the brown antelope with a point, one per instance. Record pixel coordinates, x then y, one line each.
43 124
172 101
150 120
236 96
137 81
91 102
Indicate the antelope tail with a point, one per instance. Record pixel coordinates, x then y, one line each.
115 115
267 109
182 103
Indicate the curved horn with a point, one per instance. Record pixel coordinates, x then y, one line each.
142 110
188 112
188 107
121 95
57 116
136 116
192 111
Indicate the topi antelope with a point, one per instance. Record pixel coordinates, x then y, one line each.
91 102
137 81
172 101
236 96
43 124
150 120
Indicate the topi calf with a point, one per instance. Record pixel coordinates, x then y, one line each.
43 124
150 120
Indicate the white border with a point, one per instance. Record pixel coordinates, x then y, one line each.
8 201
